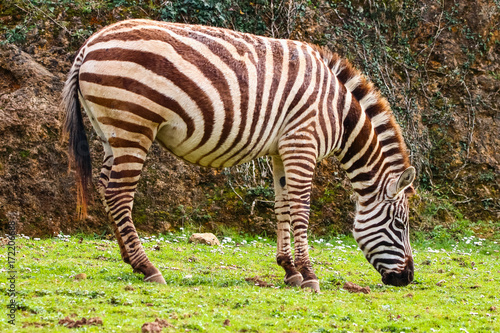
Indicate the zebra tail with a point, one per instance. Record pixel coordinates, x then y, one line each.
78 145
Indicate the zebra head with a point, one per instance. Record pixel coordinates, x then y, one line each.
382 232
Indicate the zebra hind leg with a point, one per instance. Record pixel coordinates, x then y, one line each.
119 196
284 256
101 186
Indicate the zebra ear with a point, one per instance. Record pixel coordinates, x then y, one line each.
405 180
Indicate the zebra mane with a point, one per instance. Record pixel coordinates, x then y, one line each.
374 105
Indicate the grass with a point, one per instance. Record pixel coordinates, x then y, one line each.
456 287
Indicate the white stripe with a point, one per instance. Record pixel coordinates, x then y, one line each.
353 135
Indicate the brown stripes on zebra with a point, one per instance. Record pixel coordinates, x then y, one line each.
216 97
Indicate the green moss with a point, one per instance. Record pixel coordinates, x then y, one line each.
24 154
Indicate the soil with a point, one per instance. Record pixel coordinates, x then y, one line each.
354 288
155 326
257 281
70 323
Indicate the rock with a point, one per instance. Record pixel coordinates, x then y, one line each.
205 238
23 67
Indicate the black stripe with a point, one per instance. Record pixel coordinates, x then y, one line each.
127 126
124 143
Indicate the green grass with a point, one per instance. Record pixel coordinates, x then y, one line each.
456 288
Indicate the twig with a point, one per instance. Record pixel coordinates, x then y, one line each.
460 169
467 199
257 200
239 196
438 32
338 15
471 120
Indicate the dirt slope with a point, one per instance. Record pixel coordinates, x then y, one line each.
438 66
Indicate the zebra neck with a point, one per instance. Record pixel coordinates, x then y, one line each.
368 141
370 150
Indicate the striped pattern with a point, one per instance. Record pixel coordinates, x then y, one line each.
219 98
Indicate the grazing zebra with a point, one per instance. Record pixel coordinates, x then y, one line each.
218 98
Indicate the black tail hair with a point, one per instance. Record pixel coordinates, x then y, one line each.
78 145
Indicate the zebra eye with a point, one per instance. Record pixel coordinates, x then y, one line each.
398 224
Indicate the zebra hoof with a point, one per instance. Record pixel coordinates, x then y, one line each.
158 278
294 280
311 284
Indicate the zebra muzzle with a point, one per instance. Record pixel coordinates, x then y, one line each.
399 279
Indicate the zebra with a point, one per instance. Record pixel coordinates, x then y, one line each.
218 98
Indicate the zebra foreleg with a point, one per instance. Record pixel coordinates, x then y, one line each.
284 256
119 197
299 171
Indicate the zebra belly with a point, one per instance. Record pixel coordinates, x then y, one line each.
170 137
